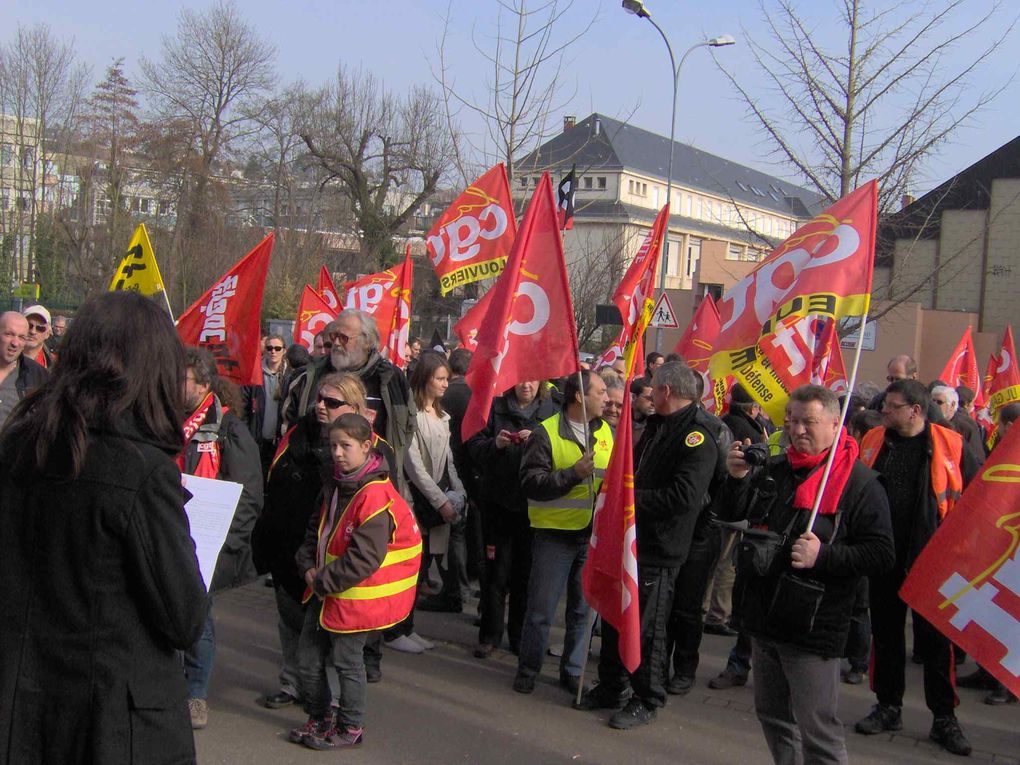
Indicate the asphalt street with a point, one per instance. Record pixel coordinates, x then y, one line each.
445 706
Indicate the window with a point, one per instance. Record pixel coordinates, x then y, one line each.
735 252
743 186
524 182
672 250
27 158
164 208
5 200
693 256
601 181
588 182
757 191
6 153
144 206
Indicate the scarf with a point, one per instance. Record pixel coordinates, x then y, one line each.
208 451
846 456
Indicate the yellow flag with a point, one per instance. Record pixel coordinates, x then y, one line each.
138 271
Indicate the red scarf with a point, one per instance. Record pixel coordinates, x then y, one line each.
208 451
846 456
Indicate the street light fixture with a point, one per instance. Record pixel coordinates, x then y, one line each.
637 7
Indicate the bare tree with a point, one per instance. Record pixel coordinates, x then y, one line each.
595 266
879 103
386 153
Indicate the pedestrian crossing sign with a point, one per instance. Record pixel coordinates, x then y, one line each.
663 315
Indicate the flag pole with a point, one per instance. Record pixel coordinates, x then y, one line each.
842 419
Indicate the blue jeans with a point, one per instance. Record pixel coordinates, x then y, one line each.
198 660
556 562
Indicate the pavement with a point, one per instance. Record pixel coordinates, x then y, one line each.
445 706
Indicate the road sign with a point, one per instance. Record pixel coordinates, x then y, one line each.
663 315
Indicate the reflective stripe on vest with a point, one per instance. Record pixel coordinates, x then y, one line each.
572 511
946 453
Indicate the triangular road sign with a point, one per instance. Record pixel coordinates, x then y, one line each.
663 315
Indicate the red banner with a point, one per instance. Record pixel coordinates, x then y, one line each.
817 343
635 296
1003 377
962 368
472 239
227 321
386 297
327 289
823 270
610 573
966 581
696 346
400 320
528 331
314 313
467 328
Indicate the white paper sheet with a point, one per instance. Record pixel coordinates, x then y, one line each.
210 511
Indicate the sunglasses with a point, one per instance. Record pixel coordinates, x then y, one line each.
274 348
339 336
33 327
332 403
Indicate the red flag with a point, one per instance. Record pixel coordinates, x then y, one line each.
327 289
226 319
610 573
467 328
386 297
400 321
696 347
1003 377
528 331
966 581
314 313
962 368
472 239
823 270
817 342
634 297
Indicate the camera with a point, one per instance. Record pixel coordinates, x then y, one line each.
755 455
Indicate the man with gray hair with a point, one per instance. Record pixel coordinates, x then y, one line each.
948 401
673 465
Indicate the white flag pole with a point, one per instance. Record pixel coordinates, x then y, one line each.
842 419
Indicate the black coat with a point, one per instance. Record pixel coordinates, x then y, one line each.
455 403
100 590
31 374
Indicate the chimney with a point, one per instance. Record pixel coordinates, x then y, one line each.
906 200
568 122
598 125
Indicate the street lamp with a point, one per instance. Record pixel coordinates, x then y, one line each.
637 7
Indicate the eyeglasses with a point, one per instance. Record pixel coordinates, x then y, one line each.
893 378
886 406
33 327
332 403
274 348
339 336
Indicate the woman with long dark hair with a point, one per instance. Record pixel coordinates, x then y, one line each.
98 575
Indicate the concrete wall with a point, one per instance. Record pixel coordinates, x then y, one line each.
1002 281
961 254
915 260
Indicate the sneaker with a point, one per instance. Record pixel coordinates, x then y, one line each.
680 685
570 682
1000 695
524 683
881 718
334 738
199 710
946 732
373 674
278 700
632 715
405 644
421 641
314 725
852 677
484 650
727 679
597 697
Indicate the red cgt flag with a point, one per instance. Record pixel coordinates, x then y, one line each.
226 319
609 577
467 328
400 320
966 581
472 239
528 331
816 338
962 368
314 313
634 297
696 346
386 297
327 289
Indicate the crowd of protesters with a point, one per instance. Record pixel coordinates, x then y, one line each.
357 485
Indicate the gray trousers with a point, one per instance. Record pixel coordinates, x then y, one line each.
292 618
796 695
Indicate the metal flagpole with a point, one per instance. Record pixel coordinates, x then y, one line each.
842 418
591 494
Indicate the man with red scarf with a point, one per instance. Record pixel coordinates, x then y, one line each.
798 583
218 445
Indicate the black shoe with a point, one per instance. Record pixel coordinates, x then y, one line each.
484 650
719 629
597 697
853 677
278 700
373 675
881 718
1000 696
680 685
946 732
570 682
632 715
440 605
524 683
727 679
977 679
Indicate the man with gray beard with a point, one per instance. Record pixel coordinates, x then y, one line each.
355 340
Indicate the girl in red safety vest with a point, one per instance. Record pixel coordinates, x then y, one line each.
361 565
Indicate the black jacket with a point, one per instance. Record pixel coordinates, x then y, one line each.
455 403
743 427
673 467
239 462
100 590
31 374
972 435
863 547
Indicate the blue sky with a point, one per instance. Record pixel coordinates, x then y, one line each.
619 67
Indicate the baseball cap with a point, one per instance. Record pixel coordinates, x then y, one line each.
37 310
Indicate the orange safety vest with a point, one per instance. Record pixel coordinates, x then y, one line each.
386 597
946 452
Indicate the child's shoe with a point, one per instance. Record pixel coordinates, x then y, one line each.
335 738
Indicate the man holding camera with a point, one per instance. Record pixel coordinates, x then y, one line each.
798 583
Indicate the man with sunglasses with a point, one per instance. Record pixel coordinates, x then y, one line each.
354 347
38 333
262 402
